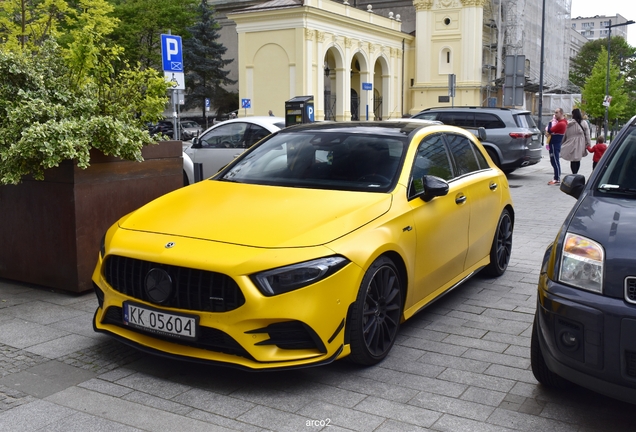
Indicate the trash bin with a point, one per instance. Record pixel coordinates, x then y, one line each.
299 109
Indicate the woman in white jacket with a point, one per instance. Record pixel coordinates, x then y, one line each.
576 141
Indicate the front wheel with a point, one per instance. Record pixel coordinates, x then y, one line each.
376 314
501 246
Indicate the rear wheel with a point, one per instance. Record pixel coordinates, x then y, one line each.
539 368
376 314
501 246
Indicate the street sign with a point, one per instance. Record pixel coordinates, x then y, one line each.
171 53
515 80
452 82
246 103
367 86
607 101
177 79
207 104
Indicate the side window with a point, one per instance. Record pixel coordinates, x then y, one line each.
256 134
462 150
461 119
426 116
489 121
229 135
431 159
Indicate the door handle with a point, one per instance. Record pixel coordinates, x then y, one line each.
493 186
460 199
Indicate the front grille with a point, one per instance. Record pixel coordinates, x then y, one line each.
209 338
630 358
195 290
630 289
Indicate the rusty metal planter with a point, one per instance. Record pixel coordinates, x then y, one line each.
50 230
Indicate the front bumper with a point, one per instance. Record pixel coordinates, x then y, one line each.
305 327
603 358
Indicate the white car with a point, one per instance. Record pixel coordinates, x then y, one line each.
191 127
220 144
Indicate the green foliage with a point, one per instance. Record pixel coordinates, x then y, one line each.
56 106
621 56
203 57
142 23
593 92
26 24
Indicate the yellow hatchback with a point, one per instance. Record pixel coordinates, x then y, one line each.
312 246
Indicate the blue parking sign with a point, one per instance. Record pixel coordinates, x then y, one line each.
246 103
171 53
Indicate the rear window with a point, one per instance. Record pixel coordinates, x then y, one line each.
525 120
489 121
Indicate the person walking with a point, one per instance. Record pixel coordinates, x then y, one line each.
597 149
556 137
576 141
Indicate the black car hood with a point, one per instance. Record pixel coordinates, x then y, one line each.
610 221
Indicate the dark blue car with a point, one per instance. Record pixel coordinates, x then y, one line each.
585 325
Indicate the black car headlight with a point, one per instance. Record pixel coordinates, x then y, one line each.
582 263
292 277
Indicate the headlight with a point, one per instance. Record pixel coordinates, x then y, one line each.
289 278
582 262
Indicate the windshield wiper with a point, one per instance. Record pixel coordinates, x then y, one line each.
616 188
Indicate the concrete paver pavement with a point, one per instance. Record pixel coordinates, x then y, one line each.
460 365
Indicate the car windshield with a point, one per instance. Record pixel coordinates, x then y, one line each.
189 124
619 176
322 160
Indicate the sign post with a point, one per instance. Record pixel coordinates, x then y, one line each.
246 103
367 86
172 62
451 88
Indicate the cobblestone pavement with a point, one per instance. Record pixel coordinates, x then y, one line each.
460 365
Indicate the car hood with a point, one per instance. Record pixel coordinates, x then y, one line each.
610 221
257 215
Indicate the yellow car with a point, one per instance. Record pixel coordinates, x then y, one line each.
312 246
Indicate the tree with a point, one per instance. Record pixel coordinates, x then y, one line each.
142 23
593 93
621 56
203 57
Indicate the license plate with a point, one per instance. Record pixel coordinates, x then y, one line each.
535 137
160 322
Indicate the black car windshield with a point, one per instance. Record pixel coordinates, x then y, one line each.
619 175
324 160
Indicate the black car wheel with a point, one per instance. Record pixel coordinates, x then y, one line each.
539 368
375 318
501 246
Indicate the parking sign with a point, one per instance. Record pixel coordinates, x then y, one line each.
171 53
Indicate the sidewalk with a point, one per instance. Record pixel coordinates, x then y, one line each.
462 364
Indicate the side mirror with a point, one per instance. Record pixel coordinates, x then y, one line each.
196 142
573 185
481 133
429 187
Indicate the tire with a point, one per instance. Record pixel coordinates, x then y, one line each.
493 156
539 368
376 314
501 246
186 182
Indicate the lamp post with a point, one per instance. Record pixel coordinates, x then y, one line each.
607 78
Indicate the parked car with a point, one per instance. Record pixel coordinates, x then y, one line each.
221 143
313 245
191 127
166 128
585 325
514 140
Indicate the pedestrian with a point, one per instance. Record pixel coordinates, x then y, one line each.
576 141
598 149
556 137
271 113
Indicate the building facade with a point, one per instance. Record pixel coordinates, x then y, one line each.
593 28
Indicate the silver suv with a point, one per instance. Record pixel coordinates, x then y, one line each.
513 139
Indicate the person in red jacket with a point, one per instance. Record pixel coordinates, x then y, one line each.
556 138
598 149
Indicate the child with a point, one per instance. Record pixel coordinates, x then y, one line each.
598 150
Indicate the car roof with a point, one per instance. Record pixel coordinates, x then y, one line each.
394 127
270 123
481 108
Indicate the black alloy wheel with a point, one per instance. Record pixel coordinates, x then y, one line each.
501 246
376 314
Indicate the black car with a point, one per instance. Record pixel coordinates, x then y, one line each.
585 325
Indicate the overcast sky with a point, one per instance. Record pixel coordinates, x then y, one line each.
625 8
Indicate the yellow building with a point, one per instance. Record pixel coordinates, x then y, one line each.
336 52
